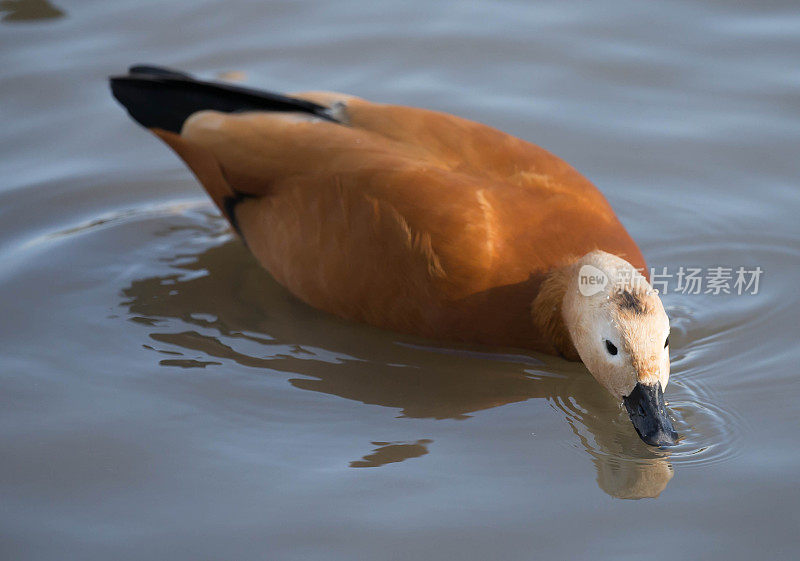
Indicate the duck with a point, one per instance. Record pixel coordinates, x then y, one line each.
421 222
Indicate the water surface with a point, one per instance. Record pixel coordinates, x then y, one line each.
163 398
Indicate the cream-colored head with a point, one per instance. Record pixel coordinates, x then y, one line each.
609 306
619 327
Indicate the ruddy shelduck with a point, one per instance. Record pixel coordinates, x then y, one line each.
421 222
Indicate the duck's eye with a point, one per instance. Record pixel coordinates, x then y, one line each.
666 343
611 347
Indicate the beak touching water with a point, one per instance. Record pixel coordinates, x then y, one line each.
645 405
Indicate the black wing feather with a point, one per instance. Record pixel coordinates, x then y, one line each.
162 98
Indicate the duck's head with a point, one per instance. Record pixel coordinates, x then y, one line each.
620 330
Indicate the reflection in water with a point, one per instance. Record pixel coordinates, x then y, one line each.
231 310
633 481
29 10
624 470
392 452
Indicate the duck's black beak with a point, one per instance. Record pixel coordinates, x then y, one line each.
646 407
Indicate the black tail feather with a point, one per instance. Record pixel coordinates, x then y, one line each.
162 98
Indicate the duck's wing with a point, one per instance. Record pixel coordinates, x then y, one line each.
347 221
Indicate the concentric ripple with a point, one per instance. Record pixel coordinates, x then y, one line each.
710 432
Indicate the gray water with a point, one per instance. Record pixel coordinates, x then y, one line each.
162 398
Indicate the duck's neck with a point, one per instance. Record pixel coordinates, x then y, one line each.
547 309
